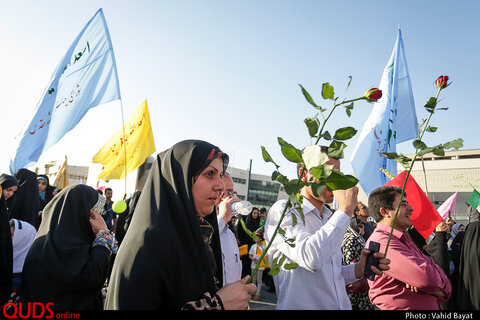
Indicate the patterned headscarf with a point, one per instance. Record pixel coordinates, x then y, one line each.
99 207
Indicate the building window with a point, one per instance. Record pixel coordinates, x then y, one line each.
239 180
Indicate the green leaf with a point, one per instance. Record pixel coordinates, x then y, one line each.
308 97
313 156
431 129
335 149
290 152
279 177
431 104
312 125
390 155
292 187
339 181
327 91
399 158
290 266
424 151
457 143
317 188
349 109
349 82
438 151
326 135
273 271
419 145
345 133
267 157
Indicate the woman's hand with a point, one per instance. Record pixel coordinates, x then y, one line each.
236 295
97 222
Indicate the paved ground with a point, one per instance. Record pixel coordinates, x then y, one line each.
268 300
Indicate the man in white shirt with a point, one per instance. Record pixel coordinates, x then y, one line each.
232 265
318 283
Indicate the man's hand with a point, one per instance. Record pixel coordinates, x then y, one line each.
442 226
383 263
347 200
225 208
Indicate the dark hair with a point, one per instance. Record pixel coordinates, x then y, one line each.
382 197
357 209
108 189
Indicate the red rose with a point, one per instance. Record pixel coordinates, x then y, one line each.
373 94
442 82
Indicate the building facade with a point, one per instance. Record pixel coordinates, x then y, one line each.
262 191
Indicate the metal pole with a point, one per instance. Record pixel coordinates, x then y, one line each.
248 180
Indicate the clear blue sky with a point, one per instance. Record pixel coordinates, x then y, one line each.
228 71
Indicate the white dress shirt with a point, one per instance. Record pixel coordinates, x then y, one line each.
232 265
318 283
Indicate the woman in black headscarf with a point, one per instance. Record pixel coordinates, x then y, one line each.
170 257
468 294
68 261
9 185
45 190
252 223
26 203
352 246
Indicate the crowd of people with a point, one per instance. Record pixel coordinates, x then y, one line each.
178 245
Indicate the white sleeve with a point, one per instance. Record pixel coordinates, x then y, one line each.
311 250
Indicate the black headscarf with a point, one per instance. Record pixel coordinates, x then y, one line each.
7 181
6 253
26 203
61 265
162 262
47 193
253 223
468 294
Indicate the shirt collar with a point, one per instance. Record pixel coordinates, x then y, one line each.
397 233
309 207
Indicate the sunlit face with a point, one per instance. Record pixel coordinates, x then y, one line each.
228 182
8 192
207 187
403 220
227 190
42 185
363 210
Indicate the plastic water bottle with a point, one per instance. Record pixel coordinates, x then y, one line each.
242 207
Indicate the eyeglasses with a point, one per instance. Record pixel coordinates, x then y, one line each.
230 193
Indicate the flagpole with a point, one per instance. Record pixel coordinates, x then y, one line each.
124 147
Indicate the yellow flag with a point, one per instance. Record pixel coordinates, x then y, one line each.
61 181
139 145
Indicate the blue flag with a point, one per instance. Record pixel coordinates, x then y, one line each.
85 78
393 120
